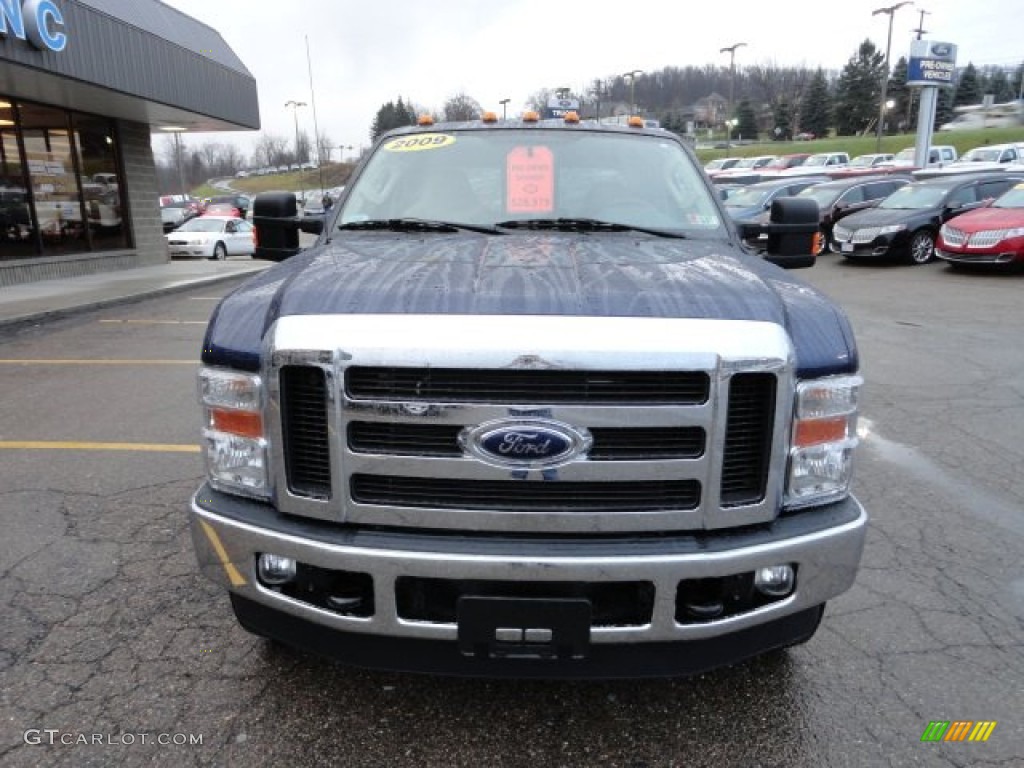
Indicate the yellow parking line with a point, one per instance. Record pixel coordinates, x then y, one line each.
236 579
28 361
55 445
156 322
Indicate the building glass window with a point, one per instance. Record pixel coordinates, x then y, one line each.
97 163
56 191
16 233
60 184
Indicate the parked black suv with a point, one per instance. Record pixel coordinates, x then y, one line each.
907 222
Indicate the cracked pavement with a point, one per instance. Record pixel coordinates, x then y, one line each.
109 630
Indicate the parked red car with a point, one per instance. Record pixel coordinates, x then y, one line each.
222 209
990 235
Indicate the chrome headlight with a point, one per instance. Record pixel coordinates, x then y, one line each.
822 442
234 443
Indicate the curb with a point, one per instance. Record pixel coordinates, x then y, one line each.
18 322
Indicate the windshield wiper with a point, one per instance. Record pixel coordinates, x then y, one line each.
583 225
417 225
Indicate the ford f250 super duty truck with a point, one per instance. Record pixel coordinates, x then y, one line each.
529 408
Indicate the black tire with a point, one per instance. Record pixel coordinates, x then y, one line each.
220 252
922 247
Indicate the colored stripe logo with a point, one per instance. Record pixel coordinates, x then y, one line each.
958 730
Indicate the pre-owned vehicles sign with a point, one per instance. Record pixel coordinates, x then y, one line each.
931 63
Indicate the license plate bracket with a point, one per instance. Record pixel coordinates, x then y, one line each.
524 627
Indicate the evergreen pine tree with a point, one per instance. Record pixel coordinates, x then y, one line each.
968 87
783 118
747 125
816 106
858 90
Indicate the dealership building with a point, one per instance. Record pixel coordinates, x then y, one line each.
83 86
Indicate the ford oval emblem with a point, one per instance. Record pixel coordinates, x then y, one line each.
942 49
525 443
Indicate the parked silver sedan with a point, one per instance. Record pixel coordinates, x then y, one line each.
212 237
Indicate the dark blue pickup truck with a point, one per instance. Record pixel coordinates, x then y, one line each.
530 408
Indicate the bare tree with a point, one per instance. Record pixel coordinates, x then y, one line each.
324 145
460 108
303 148
232 159
211 152
271 150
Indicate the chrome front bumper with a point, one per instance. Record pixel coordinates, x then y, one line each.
824 545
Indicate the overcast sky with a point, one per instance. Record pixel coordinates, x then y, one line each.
364 53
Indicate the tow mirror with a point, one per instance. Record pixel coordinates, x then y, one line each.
792 228
275 216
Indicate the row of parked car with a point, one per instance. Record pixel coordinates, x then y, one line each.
941 160
175 210
963 218
211 228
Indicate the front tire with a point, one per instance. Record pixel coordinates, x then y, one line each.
922 247
220 252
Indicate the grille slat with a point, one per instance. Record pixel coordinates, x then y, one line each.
304 421
748 437
610 444
525 496
456 385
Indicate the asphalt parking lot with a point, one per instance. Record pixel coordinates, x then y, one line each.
116 652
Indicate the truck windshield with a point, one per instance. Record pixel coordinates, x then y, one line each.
483 177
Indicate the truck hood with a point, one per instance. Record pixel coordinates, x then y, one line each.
606 275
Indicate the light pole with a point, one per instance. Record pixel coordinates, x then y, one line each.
732 85
504 105
632 88
295 114
890 12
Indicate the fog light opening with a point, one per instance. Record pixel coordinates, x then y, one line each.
275 570
775 580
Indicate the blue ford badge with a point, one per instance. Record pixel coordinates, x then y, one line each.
525 443
942 49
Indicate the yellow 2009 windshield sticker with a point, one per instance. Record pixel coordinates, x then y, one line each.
419 142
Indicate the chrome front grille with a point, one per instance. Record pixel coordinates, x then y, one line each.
987 238
678 439
953 236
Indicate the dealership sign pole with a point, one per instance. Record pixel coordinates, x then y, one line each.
932 66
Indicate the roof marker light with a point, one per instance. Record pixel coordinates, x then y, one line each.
531 116
572 118
425 120
635 121
489 117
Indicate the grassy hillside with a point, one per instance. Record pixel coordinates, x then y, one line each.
334 175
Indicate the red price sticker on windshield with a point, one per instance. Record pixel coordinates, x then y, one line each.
531 180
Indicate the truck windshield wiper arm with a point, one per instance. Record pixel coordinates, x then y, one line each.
583 225
418 225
